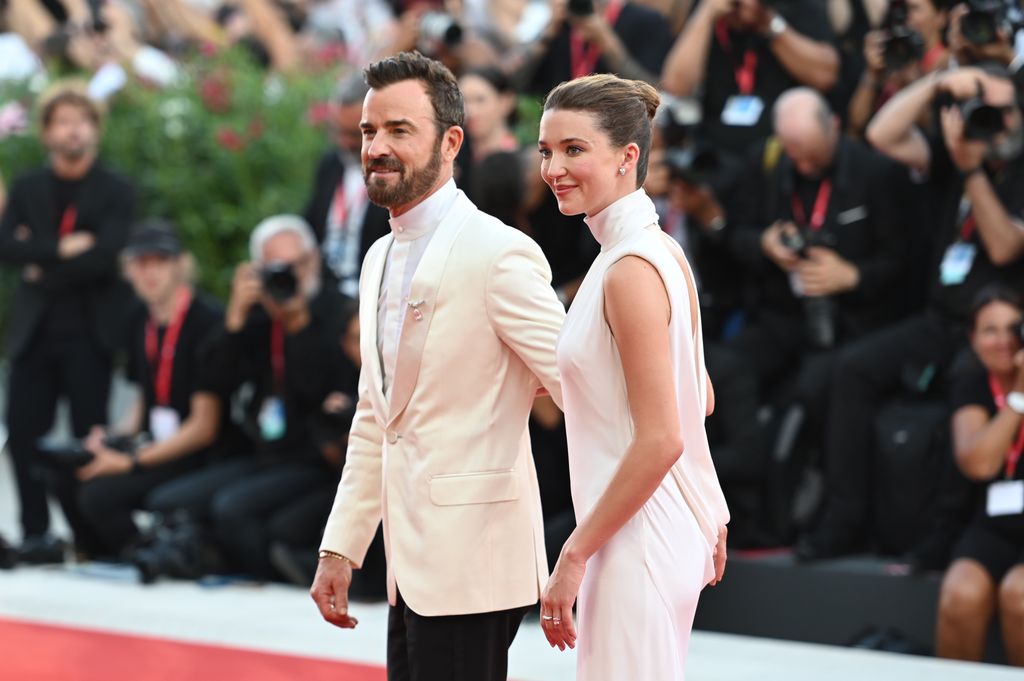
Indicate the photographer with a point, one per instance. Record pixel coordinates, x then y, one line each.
279 342
826 265
178 407
63 228
910 46
746 53
982 31
596 36
987 575
976 195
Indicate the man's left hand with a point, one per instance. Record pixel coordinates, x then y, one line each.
966 154
824 272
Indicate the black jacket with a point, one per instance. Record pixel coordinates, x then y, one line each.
866 223
105 205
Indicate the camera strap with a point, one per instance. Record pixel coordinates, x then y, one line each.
277 355
820 206
584 59
1012 456
162 358
745 68
67 221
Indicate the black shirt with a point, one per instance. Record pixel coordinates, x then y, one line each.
66 317
643 32
193 368
314 366
807 17
947 188
971 388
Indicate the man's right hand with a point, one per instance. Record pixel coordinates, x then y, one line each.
771 244
245 292
330 591
74 245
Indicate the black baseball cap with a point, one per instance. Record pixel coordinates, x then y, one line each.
153 237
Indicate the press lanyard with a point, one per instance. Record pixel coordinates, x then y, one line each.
162 357
746 69
930 57
967 221
339 208
67 221
585 59
277 355
1013 456
820 206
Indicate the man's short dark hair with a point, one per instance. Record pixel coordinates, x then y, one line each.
441 85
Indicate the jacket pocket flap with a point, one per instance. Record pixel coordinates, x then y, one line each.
474 488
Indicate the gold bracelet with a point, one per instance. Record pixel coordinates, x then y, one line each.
324 553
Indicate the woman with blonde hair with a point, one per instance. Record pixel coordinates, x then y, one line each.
652 517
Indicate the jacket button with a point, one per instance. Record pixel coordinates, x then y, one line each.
392 437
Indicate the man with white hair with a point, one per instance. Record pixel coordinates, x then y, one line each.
281 344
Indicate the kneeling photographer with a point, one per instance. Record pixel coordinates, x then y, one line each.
278 353
975 195
170 428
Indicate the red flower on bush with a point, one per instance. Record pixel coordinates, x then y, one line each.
318 114
330 55
215 91
229 139
208 49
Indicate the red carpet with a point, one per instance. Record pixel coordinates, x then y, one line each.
35 652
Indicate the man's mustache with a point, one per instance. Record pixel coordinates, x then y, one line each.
385 163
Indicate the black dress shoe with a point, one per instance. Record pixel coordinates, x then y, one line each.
41 550
8 557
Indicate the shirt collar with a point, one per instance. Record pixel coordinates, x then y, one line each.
424 218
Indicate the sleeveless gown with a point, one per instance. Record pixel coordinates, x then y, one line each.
640 591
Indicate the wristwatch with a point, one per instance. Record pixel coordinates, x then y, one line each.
776 27
1015 401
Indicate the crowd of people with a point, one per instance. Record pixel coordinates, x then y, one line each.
844 175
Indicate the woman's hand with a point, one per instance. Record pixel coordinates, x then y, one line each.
558 598
720 556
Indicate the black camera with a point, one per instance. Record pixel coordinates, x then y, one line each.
984 19
61 455
279 281
580 8
696 164
797 240
981 121
902 46
440 28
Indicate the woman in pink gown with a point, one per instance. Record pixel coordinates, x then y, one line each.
650 511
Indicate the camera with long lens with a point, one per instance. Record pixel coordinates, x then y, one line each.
580 8
984 20
819 311
696 164
902 46
279 281
439 29
65 456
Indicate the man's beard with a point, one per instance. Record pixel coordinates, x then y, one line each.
70 152
1009 147
411 185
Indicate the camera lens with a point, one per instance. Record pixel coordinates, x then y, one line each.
279 281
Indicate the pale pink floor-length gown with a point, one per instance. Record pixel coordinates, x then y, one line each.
640 591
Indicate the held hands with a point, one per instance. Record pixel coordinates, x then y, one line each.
330 591
824 273
74 245
558 598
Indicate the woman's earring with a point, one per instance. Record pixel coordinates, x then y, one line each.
622 170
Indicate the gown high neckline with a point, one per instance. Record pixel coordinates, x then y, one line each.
621 218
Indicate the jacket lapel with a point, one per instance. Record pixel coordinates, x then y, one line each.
374 275
423 304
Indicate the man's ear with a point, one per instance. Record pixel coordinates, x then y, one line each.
453 138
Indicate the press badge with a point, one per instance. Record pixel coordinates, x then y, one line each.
742 110
164 423
956 263
1005 498
272 421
